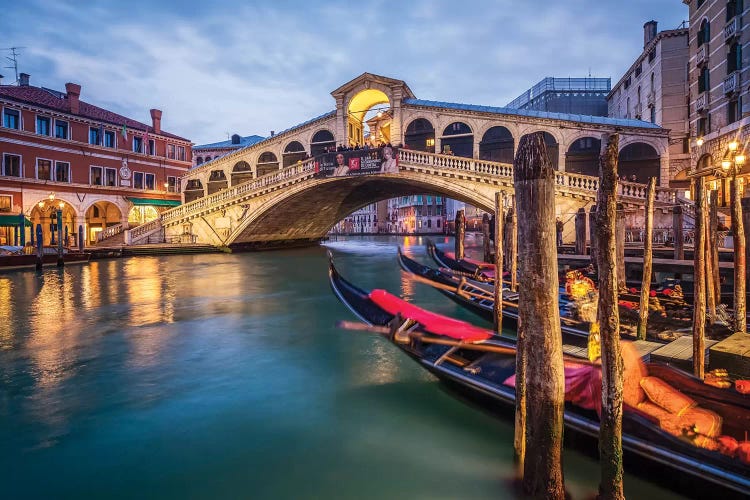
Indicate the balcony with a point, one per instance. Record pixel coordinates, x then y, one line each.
701 103
701 57
732 83
732 29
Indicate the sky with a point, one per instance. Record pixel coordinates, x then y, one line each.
221 67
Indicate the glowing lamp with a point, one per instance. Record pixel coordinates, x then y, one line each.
51 196
687 194
726 164
62 204
732 146
699 141
41 204
739 160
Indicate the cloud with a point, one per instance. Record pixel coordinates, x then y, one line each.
255 67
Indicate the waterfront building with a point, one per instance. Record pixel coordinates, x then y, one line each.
580 96
104 171
719 102
654 89
203 153
416 214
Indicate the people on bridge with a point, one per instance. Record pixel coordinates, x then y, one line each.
559 226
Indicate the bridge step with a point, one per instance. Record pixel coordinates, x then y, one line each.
167 249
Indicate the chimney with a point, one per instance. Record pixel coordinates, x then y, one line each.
235 139
649 32
272 133
23 79
156 120
74 92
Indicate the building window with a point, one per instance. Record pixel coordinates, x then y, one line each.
150 181
199 161
138 180
170 151
11 165
95 176
651 56
6 203
734 58
43 169
61 129
62 171
172 184
94 136
703 80
151 147
700 2
702 126
138 144
704 33
733 111
653 114
181 153
627 82
109 138
11 119
638 71
43 125
110 177
734 8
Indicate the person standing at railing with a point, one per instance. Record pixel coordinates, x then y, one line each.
559 226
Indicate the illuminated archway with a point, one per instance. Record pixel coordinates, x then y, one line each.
45 213
141 214
360 112
99 217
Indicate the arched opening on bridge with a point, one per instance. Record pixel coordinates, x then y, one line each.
241 172
293 152
193 190
208 159
458 140
553 149
420 136
367 119
45 213
583 156
199 160
681 180
99 217
497 145
267 163
217 181
321 142
639 162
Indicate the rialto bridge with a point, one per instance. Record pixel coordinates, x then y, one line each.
284 187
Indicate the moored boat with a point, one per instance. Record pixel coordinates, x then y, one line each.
22 257
703 440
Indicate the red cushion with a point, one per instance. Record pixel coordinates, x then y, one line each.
433 323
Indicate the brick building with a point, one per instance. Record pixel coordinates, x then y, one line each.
102 169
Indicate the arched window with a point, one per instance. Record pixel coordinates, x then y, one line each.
734 58
293 152
497 145
267 163
321 142
420 135
457 128
704 81
627 108
704 33
199 160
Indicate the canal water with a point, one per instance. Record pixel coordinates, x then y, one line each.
223 376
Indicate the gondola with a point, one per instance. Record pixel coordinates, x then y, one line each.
478 364
674 320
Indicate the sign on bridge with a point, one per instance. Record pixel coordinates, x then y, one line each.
357 162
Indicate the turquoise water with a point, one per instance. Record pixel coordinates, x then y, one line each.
223 376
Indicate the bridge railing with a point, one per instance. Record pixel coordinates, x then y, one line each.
233 192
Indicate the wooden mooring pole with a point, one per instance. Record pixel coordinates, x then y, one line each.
699 285
486 247
580 225
620 239
643 309
679 239
539 317
498 261
608 222
709 261
460 233
713 224
738 233
513 247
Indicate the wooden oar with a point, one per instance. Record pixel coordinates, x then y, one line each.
457 289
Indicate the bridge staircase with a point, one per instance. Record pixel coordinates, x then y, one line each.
584 187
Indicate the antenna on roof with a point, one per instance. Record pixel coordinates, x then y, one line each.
14 59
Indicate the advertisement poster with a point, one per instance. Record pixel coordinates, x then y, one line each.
357 162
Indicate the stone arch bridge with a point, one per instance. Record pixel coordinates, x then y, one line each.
270 192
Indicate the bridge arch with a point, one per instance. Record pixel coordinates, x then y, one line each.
241 172
360 104
420 135
641 161
217 180
320 141
267 162
458 138
294 151
497 144
583 155
199 160
193 190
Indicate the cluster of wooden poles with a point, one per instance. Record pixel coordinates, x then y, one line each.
540 375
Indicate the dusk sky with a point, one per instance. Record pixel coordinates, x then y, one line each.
223 67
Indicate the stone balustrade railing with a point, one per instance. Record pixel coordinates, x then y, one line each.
227 195
630 191
144 229
109 232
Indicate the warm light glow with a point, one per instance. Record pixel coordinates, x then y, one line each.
699 141
166 185
739 160
41 204
732 146
62 204
687 194
726 164
51 197
714 185
430 143
363 101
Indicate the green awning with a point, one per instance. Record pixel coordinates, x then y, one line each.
154 202
12 220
